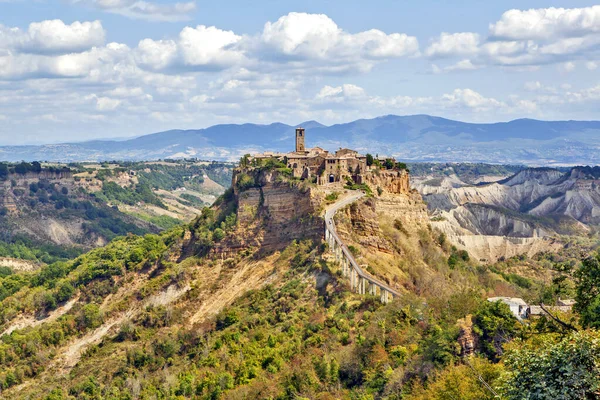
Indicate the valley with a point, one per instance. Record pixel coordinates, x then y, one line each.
299 200
504 216
57 211
169 310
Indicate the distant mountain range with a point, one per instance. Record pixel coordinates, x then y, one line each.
410 138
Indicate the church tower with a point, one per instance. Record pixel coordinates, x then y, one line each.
299 140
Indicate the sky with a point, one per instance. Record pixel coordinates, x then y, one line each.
75 70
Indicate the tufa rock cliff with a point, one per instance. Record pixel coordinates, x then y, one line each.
271 211
390 181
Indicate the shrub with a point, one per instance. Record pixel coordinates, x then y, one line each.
89 317
332 196
245 182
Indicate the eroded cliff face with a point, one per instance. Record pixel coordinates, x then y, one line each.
390 181
521 214
364 225
272 212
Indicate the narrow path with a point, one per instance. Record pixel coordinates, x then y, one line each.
345 253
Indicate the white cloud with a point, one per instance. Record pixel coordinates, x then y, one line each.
458 102
454 44
462 65
544 23
300 42
205 75
317 38
196 48
528 38
567 67
156 54
471 99
107 104
210 46
53 37
23 66
341 93
139 9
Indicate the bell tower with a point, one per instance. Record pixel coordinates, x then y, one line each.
299 140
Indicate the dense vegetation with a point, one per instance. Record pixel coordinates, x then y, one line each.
24 248
289 340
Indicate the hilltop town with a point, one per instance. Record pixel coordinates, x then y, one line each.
344 166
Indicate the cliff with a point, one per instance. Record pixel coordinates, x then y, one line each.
391 181
272 210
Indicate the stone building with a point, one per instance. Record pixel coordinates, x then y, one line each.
321 165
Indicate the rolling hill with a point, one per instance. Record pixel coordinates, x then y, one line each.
412 138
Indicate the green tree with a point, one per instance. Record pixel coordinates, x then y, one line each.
587 282
369 159
245 161
89 316
3 171
549 367
495 325
218 234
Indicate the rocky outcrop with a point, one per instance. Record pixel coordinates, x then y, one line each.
515 215
19 265
272 210
408 208
466 338
364 224
391 181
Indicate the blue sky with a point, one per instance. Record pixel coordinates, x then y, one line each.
73 70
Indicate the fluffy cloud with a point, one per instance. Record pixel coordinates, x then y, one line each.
339 93
471 99
296 41
209 46
196 48
24 65
317 38
139 9
528 38
544 23
458 101
52 37
53 74
454 44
